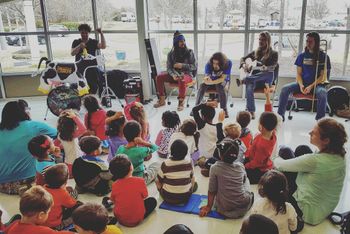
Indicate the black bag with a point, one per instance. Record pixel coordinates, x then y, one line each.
338 99
341 219
115 80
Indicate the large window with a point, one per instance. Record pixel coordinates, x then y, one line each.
221 15
209 26
232 46
116 14
170 14
275 14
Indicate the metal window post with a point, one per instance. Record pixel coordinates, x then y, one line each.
141 17
195 28
46 27
302 26
247 26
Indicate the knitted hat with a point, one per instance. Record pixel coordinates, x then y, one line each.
178 37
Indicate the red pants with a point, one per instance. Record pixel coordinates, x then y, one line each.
165 77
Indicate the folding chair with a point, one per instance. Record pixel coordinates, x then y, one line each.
174 87
299 96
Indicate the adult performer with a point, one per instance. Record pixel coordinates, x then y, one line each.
91 45
217 74
181 68
267 61
306 64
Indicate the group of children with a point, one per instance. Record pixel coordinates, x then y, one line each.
229 155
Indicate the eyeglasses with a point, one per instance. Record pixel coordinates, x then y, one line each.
27 108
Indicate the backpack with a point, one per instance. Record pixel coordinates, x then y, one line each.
341 219
338 99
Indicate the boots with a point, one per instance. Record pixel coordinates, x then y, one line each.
161 102
180 106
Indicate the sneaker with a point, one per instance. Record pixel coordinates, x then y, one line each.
107 203
205 172
112 220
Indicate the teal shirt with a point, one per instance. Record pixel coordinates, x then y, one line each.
136 156
16 162
320 181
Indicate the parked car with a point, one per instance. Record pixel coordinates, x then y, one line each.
128 17
15 40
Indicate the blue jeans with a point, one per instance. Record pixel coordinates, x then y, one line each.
250 82
320 94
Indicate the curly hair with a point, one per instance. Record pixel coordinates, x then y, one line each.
170 119
66 127
221 57
115 127
84 27
335 132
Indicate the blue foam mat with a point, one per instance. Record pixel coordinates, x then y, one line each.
193 206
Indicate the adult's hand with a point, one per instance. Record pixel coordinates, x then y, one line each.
307 90
99 30
207 80
213 104
178 65
301 86
82 45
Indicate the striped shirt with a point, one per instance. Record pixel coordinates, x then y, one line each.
176 180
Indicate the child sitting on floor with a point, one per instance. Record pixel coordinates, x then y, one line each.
115 122
244 118
95 117
93 219
256 223
70 128
176 180
137 150
64 199
46 155
129 194
135 111
259 155
206 128
189 134
228 184
274 192
90 172
35 205
232 131
170 120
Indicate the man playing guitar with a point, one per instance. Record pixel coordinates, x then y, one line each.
257 67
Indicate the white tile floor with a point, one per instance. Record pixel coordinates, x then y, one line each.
292 133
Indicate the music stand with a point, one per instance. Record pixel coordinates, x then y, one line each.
107 93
